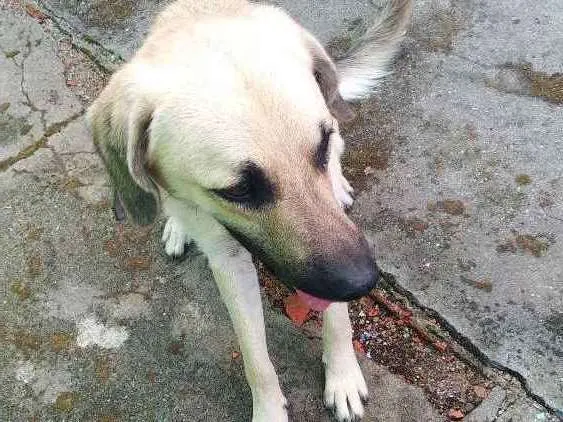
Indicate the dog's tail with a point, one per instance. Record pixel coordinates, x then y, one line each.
368 61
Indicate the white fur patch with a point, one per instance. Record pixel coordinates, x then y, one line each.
269 407
174 237
342 190
91 332
345 386
340 186
358 83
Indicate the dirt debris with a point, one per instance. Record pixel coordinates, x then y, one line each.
533 244
389 332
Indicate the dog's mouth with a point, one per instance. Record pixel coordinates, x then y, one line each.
319 278
313 302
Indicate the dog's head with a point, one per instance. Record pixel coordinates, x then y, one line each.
250 139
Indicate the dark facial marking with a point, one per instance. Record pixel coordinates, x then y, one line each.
140 204
253 189
321 154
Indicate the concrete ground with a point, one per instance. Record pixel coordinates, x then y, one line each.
456 162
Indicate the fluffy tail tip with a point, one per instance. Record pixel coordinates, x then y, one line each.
368 60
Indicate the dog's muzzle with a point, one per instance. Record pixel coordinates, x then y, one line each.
342 274
342 278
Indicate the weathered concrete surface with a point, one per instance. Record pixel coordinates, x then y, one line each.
455 123
489 408
119 26
95 322
99 326
464 204
31 98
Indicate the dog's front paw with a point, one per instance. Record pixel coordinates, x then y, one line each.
345 388
343 191
174 237
269 408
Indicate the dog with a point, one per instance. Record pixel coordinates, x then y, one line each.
227 120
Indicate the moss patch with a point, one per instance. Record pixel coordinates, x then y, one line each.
533 244
548 87
360 162
413 227
102 369
523 179
31 149
61 341
109 13
20 289
482 284
70 184
33 232
441 26
12 128
26 342
369 143
11 54
34 265
449 206
65 401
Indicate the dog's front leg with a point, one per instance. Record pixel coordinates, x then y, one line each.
174 237
236 278
345 387
237 281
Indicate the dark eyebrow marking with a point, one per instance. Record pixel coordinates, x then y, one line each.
252 190
321 154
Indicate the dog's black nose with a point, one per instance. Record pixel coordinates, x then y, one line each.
341 280
357 281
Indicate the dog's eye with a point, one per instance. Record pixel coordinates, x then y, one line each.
239 193
253 190
321 154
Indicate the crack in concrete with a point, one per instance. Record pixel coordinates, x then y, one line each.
40 143
474 62
28 101
58 159
33 108
62 154
467 344
25 54
48 130
81 43
502 409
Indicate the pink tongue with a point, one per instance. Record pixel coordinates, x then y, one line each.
313 302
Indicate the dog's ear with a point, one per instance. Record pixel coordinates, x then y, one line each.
326 76
122 139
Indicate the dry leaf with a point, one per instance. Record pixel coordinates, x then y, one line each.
455 414
358 347
35 13
296 310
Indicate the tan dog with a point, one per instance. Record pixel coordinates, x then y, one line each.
227 118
